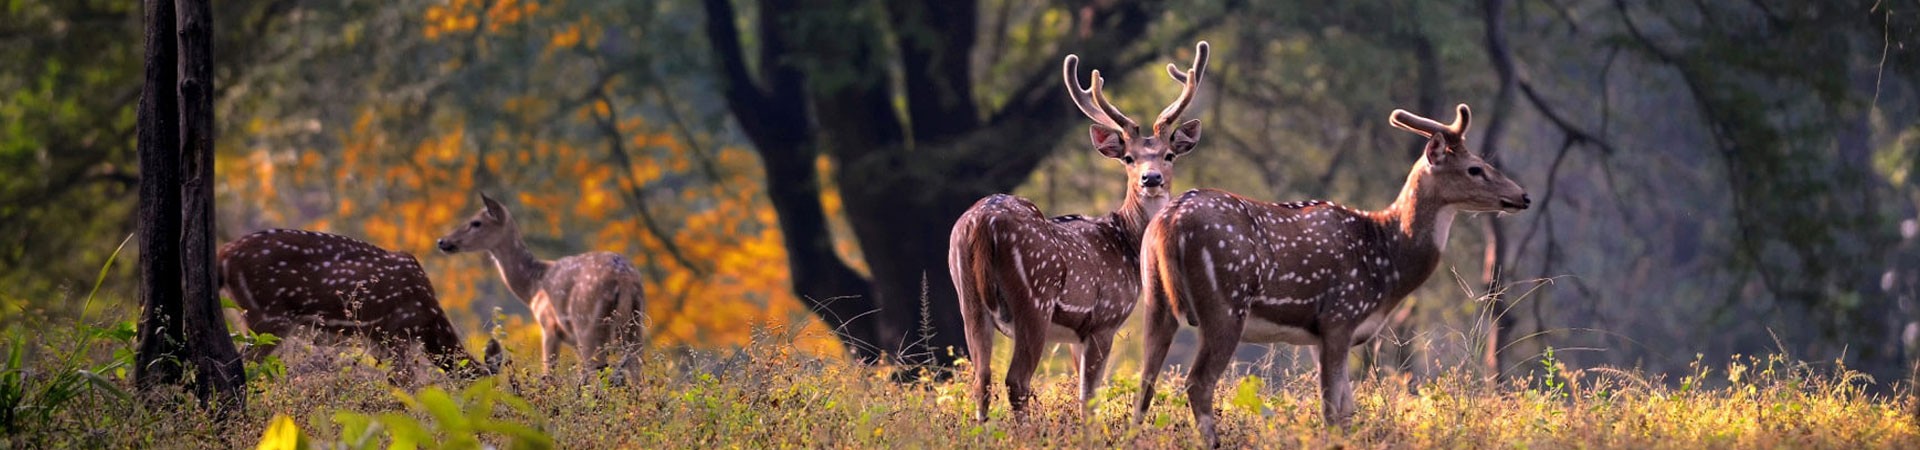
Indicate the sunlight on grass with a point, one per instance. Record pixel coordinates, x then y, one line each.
769 395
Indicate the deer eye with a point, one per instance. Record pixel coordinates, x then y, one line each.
1126 159
1476 171
1169 156
474 224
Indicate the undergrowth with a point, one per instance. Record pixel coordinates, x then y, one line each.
770 395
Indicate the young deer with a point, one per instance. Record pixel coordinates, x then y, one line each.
1069 278
339 287
1306 273
591 300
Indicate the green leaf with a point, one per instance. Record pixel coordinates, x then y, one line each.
443 408
1246 395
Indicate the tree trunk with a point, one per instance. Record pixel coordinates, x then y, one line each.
221 377
822 86
775 118
1494 257
158 361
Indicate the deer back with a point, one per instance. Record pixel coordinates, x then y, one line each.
335 285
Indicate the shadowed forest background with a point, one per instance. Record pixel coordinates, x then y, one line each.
1711 178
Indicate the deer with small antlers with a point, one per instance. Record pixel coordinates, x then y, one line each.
592 301
1305 273
1069 278
336 286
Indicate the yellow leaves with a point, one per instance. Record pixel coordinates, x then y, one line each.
602 108
282 434
452 17
565 38
458 16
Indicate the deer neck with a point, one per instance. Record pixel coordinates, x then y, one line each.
1419 223
1135 212
518 266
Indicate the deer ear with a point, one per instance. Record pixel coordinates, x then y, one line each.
1185 137
1107 141
1437 150
493 207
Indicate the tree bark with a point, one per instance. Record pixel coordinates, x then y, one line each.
904 180
158 361
775 119
221 377
1494 257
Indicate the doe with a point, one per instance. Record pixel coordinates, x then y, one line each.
336 286
592 301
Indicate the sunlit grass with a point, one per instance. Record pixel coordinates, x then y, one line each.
770 395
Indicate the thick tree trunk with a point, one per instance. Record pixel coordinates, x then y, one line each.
821 87
834 292
221 377
776 120
162 348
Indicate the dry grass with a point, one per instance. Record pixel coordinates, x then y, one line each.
769 395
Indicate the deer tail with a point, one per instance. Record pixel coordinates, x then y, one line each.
631 298
1163 277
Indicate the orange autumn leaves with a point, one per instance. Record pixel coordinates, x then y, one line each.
402 188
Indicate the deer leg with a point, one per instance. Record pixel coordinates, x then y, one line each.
979 331
1336 392
1216 351
1161 327
549 350
1093 364
1029 342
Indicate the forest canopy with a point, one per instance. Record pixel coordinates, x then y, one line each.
1712 178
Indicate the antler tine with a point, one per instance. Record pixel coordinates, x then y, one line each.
1190 84
1084 98
1416 123
1128 126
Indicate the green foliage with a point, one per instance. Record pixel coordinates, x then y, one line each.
462 421
267 369
32 395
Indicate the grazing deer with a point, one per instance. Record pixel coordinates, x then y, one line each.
339 287
1069 278
1306 273
591 300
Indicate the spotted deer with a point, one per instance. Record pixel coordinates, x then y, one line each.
1069 278
592 301
336 287
1305 273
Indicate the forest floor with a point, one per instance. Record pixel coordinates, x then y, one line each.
768 396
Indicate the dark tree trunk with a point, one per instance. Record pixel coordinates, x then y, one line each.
1494 268
221 376
180 329
159 359
904 180
775 119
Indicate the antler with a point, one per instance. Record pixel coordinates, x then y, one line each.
1428 127
1190 81
1092 101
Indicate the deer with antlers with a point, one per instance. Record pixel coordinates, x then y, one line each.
1069 278
287 281
1304 273
592 301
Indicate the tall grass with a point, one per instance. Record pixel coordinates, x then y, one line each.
67 387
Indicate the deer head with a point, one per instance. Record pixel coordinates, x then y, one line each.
1453 175
487 229
1149 158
